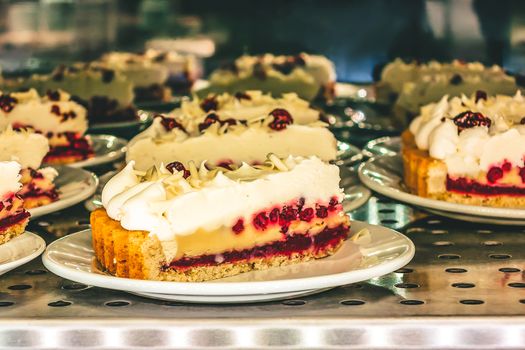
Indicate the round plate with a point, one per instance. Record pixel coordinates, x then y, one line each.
383 146
107 149
143 118
20 250
384 175
355 193
74 185
377 253
348 154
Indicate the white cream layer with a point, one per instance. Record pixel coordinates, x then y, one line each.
476 149
221 201
26 148
9 178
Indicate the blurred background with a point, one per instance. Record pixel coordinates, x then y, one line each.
359 36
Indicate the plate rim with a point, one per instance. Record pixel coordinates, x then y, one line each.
78 198
413 199
103 159
225 288
119 125
6 267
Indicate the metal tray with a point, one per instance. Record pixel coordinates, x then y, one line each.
465 289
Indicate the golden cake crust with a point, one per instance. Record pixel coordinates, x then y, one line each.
13 231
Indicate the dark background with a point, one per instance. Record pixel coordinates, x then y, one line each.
358 36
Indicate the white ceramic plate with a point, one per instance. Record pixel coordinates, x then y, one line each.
74 185
383 146
384 175
378 253
144 118
20 250
107 149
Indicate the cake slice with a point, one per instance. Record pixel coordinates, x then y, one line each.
54 115
197 224
468 150
106 94
29 149
309 76
413 85
13 216
221 137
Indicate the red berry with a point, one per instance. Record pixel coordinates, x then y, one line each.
506 166
55 109
285 227
178 166
239 226
471 119
494 174
274 215
321 212
53 95
456 79
209 120
281 119
332 205
522 174
209 104
287 214
7 103
306 214
242 96
260 221
170 123
481 95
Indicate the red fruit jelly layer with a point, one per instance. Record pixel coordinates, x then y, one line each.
297 243
466 186
78 147
13 219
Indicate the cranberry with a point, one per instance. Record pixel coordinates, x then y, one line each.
306 214
281 118
209 104
481 95
456 79
522 174
321 212
229 121
178 166
53 95
332 205
522 121
506 166
55 109
107 75
274 215
300 203
239 226
209 120
299 60
170 123
260 221
68 115
2 206
285 227
7 102
287 214
242 96
471 119
226 164
494 174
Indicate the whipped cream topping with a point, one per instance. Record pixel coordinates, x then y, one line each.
248 105
473 150
58 114
9 178
26 148
167 205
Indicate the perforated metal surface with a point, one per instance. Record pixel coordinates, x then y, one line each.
464 289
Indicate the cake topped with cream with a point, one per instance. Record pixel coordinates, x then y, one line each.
212 130
13 216
55 115
307 75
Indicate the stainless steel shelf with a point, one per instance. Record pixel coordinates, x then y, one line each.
465 289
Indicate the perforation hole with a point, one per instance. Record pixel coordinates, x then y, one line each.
509 269
471 302
352 302
6 303
384 201
386 211
20 287
36 272
294 302
500 256
456 270
463 285
59 303
117 303
389 221
449 256
522 301
172 303
443 243
516 285
404 270
411 302
406 285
